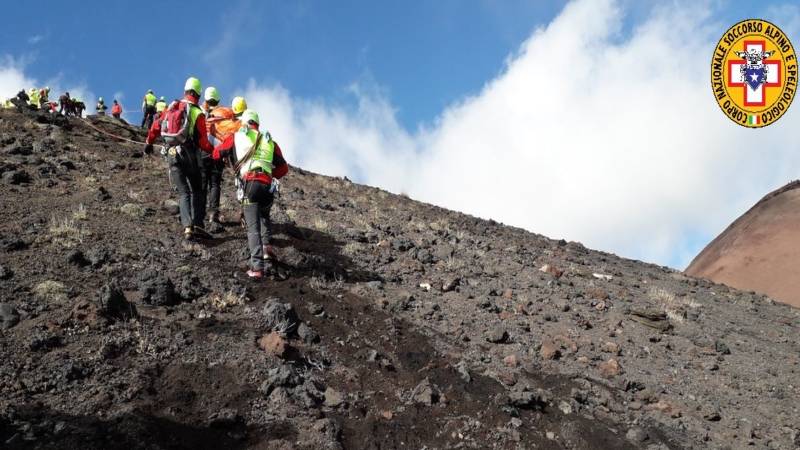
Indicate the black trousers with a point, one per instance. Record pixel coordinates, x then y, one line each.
212 182
149 114
257 204
185 176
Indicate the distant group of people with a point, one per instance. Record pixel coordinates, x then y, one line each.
116 108
39 99
200 140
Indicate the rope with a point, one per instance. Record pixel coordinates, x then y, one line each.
91 125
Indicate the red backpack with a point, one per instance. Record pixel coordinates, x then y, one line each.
175 127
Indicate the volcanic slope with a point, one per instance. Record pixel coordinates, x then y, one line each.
760 251
386 323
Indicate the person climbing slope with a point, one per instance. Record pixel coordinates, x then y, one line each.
211 169
161 105
183 127
116 110
44 101
148 109
258 164
78 106
101 107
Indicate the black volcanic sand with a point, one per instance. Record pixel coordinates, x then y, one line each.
398 324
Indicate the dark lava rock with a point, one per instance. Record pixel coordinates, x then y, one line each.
281 376
43 146
77 258
450 284
8 316
5 273
308 335
402 244
310 394
158 290
16 177
315 309
45 342
425 393
18 149
98 256
496 335
636 435
225 417
525 399
424 256
113 304
722 348
190 287
279 316
13 244
72 371
103 194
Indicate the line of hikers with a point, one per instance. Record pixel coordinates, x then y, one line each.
38 98
200 140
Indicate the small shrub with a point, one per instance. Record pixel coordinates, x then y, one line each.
80 213
50 291
320 224
66 232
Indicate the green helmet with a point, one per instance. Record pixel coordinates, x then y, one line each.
250 116
193 84
212 94
149 91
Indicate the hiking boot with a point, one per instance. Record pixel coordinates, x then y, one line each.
269 252
187 233
201 233
255 274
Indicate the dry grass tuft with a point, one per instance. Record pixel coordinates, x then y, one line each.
134 210
50 291
227 299
81 213
66 232
674 307
320 224
352 249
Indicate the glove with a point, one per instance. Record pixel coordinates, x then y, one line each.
275 186
148 149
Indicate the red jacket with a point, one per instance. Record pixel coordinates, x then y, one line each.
200 136
116 109
279 165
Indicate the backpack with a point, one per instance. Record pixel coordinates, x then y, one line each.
175 127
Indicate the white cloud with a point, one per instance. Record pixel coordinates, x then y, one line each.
35 39
588 134
13 78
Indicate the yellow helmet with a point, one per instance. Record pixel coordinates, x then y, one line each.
238 105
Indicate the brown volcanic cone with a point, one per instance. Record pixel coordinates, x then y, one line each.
760 251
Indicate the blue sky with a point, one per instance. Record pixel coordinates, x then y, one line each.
422 54
590 120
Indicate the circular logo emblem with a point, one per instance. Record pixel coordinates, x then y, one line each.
754 73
